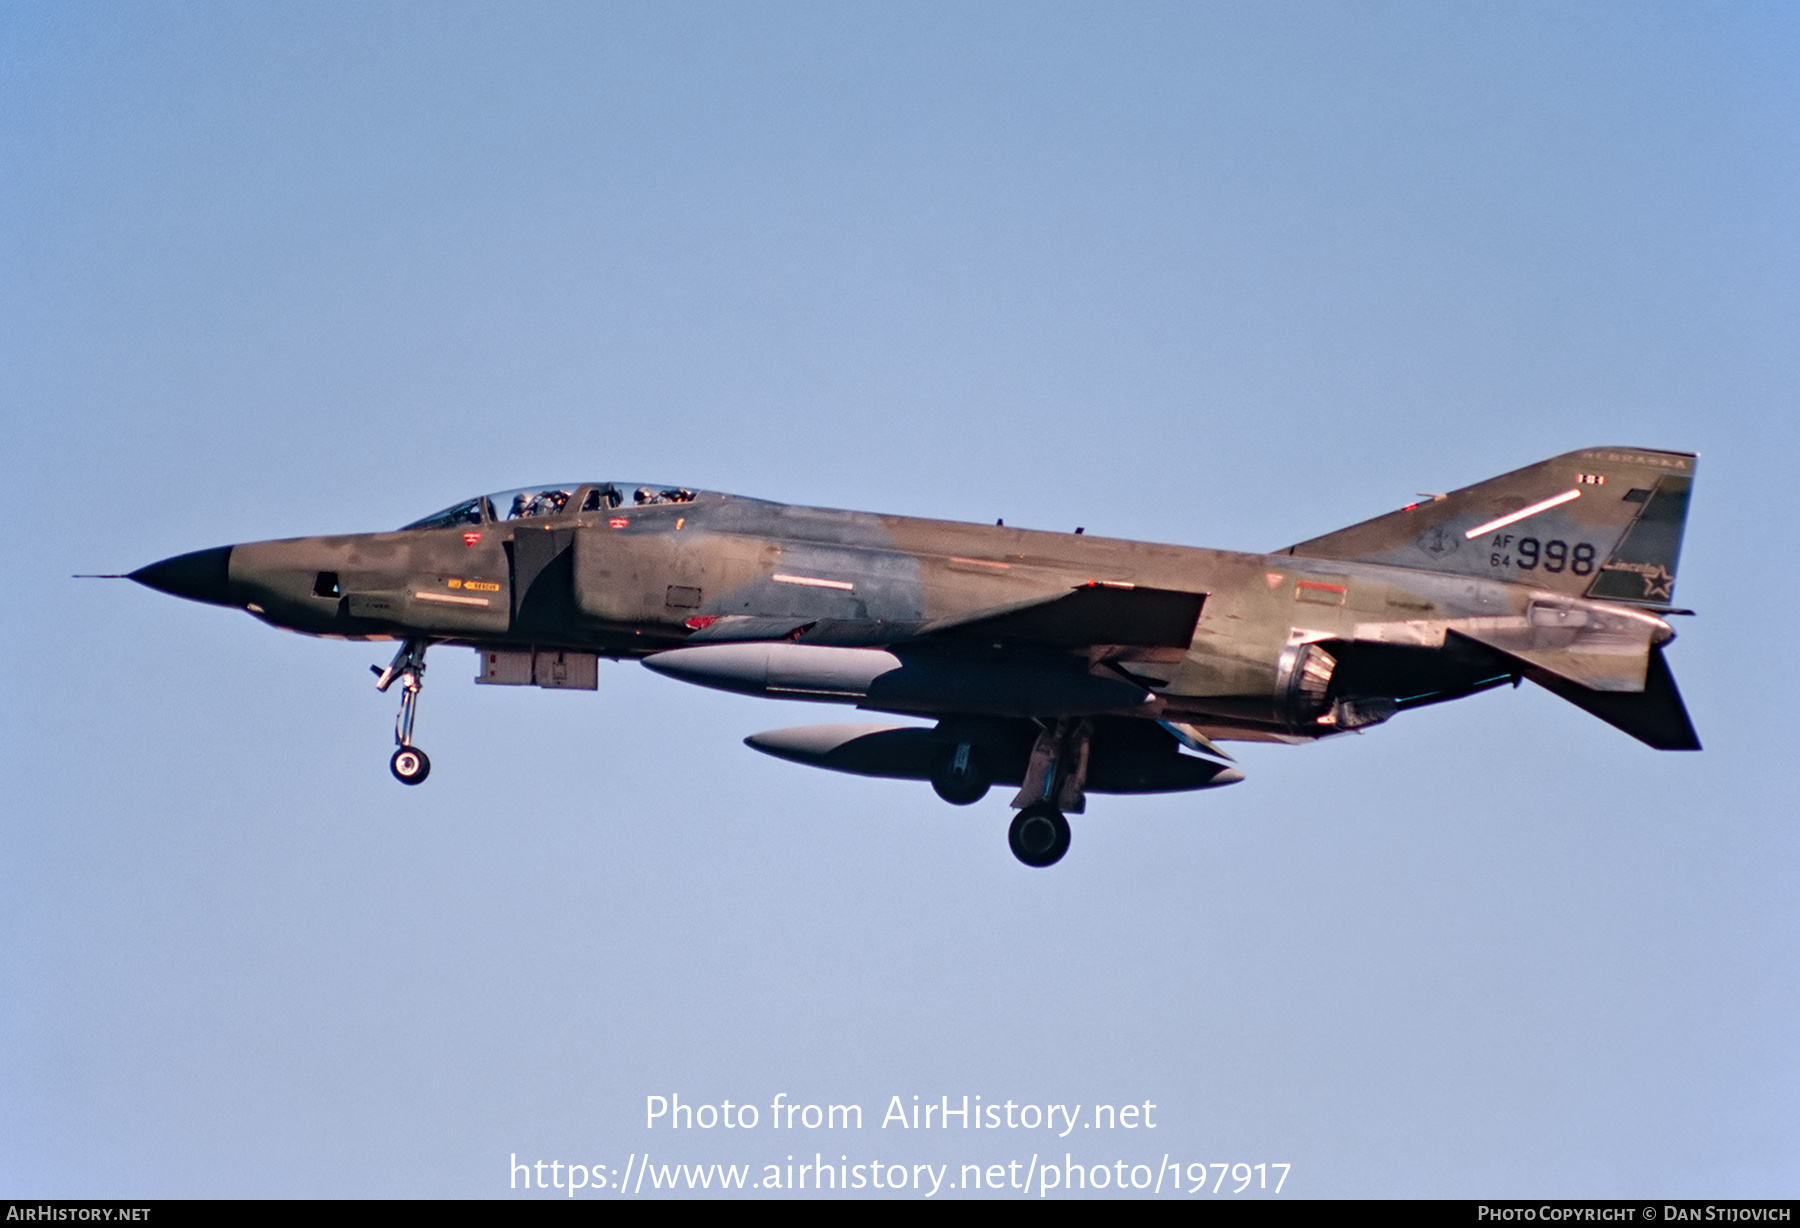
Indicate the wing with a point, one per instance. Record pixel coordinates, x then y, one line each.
1092 618
1093 615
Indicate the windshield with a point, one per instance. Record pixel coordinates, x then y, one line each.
450 517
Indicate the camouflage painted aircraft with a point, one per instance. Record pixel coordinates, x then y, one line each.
1056 663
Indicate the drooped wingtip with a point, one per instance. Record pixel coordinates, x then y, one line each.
1191 737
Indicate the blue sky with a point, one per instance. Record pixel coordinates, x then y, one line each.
1220 275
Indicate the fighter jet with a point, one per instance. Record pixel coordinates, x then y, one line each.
1058 664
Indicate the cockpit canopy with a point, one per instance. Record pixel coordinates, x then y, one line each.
538 501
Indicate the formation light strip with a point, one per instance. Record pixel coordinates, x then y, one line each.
812 582
449 600
1522 513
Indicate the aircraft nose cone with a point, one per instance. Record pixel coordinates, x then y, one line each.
203 575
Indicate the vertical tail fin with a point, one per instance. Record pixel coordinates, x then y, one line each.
1601 522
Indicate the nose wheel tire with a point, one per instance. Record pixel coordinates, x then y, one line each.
1039 835
410 766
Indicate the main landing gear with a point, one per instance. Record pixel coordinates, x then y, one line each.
1039 835
409 765
1055 781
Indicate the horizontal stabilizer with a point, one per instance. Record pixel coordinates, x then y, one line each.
1096 613
1655 716
1590 646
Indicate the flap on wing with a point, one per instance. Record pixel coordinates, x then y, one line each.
1096 613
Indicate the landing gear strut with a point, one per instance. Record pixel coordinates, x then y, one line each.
409 765
1055 781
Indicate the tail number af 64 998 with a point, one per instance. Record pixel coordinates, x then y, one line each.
1553 556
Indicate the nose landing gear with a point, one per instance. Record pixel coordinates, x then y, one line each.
410 765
